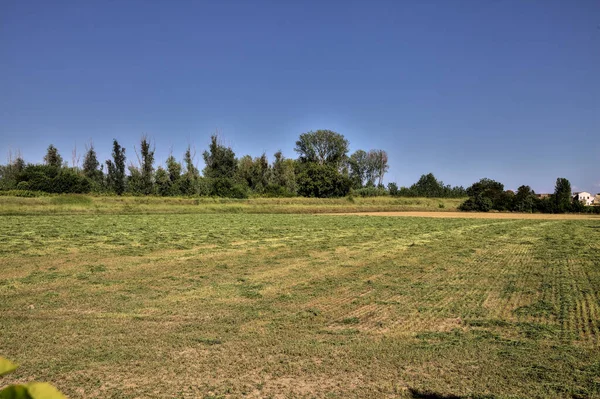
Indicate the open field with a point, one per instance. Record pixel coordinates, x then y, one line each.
480 215
88 204
230 305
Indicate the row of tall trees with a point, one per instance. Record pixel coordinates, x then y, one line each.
323 169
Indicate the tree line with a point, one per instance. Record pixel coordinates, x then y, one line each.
487 195
323 168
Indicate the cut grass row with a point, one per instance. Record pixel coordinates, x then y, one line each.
301 306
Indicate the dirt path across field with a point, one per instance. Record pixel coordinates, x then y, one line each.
475 215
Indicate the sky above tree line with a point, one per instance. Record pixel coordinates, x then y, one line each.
508 90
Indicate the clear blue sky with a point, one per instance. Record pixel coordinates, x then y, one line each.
465 89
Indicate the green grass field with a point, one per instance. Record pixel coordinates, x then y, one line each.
88 204
266 305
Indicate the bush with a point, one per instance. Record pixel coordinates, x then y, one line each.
52 179
23 185
480 203
275 190
578 206
226 187
468 205
370 192
322 181
484 204
393 189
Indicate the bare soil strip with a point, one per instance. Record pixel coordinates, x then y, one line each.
475 215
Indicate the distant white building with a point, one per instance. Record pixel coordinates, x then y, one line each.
585 197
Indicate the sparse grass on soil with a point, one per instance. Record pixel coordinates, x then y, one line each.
230 305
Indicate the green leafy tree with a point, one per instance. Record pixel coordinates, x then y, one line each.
524 200
322 181
220 160
577 206
116 169
188 160
358 164
10 172
91 166
261 173
51 179
377 166
226 187
323 147
484 195
146 170
163 183
562 195
255 173
173 168
428 186
284 175
52 157
190 182
135 182
245 170
393 189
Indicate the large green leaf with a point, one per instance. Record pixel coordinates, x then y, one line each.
15 392
43 390
6 366
33 390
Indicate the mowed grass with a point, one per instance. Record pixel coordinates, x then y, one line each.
228 305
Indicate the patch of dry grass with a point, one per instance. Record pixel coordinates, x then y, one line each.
69 204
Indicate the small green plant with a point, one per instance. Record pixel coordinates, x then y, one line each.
31 390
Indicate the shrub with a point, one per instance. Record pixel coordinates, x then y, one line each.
393 189
23 185
226 187
322 181
275 190
52 179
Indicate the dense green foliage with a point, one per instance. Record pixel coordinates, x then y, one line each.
429 186
487 194
367 168
324 168
322 147
52 157
52 179
115 178
322 181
